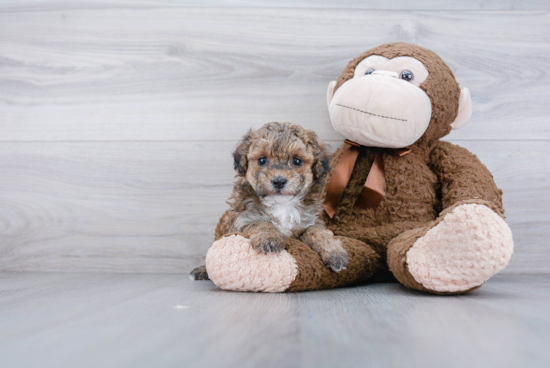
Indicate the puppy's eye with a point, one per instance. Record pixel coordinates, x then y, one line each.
369 71
262 161
296 162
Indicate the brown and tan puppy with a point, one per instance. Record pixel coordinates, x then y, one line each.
281 170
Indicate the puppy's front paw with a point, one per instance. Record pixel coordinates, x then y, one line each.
336 260
268 245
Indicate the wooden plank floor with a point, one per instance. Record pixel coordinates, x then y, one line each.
162 320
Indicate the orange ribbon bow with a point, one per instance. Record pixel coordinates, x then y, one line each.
374 189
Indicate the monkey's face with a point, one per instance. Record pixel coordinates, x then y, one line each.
280 168
382 105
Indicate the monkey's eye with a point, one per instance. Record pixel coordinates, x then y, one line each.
407 75
369 71
262 161
296 162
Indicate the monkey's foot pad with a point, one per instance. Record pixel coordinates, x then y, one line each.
233 264
470 245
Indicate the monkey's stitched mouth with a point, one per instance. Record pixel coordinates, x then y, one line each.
370 113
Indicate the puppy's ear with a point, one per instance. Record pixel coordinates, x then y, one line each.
240 161
321 163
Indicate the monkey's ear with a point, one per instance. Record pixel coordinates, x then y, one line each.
330 92
240 161
464 109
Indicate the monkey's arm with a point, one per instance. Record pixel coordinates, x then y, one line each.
464 179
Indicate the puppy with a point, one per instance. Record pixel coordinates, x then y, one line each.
281 170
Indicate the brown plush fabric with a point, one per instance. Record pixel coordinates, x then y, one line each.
419 186
463 176
436 176
440 85
313 274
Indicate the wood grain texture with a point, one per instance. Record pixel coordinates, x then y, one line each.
117 117
115 320
41 5
152 72
153 206
105 206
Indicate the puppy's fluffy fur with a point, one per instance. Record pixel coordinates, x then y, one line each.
281 169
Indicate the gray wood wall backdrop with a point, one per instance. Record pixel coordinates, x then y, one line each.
117 118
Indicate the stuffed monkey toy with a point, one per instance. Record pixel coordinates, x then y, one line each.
404 204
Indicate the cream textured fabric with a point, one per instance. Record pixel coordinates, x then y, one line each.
379 110
396 65
232 264
464 109
470 245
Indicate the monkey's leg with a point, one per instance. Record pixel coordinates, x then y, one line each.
233 264
455 254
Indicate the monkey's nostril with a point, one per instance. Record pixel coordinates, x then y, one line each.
279 182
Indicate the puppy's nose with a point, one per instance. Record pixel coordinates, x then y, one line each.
279 182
